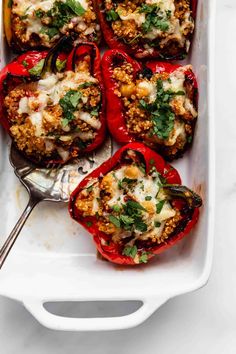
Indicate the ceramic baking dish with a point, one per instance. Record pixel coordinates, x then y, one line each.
54 259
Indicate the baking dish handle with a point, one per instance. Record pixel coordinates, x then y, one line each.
148 307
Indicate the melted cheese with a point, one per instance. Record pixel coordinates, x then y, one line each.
143 186
53 89
151 89
34 24
164 5
28 7
138 17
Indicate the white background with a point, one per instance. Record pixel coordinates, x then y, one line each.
201 322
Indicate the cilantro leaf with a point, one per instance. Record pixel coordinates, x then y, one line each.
112 15
115 221
144 257
130 251
69 103
76 7
159 206
135 205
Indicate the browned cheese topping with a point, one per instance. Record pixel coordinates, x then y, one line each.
57 116
165 25
42 23
159 108
130 206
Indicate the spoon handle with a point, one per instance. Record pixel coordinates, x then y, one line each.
16 230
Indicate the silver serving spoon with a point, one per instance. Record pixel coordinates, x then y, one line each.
54 184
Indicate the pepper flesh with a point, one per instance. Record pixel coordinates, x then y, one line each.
111 251
17 72
115 109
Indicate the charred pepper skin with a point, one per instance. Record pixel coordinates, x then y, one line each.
115 109
111 251
113 41
17 72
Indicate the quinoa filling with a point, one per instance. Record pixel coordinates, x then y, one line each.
42 23
56 117
130 206
158 108
166 25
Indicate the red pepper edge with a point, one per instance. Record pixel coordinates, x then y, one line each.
113 42
18 69
171 175
115 110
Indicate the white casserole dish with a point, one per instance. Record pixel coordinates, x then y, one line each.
55 260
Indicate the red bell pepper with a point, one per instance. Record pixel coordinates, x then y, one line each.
138 50
115 108
183 199
62 15
18 72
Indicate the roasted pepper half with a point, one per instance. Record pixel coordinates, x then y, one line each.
40 24
155 103
52 103
149 29
134 206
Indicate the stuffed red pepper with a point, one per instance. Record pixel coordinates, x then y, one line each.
134 206
31 24
155 103
52 102
149 29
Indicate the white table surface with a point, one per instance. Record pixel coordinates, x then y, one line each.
201 322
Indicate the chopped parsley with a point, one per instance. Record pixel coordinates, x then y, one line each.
116 208
62 12
69 103
130 251
144 257
76 7
154 18
112 15
148 197
159 206
114 220
39 13
157 224
49 31
126 183
161 112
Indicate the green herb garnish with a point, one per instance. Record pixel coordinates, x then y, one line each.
161 112
144 257
157 224
148 197
69 103
130 251
159 206
112 15
115 221
154 18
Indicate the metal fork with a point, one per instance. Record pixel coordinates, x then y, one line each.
54 184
